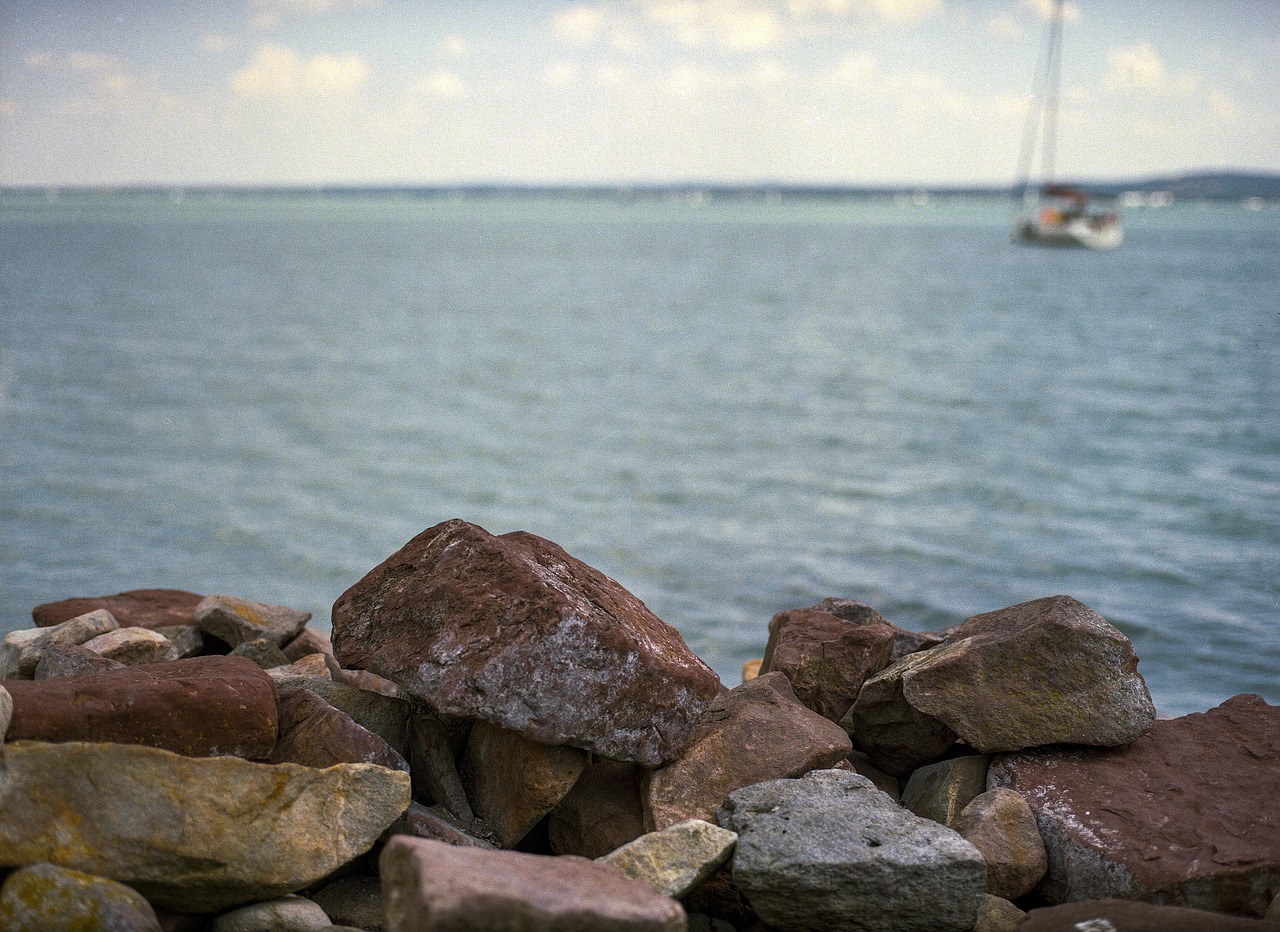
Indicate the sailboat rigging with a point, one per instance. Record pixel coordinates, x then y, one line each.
1056 214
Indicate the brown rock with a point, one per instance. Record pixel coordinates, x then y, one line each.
428 886
1000 824
1172 818
201 707
826 658
894 734
235 620
515 631
1114 915
311 641
143 608
315 734
513 782
383 715
859 762
601 813
758 731
312 665
860 613
62 660
435 823
435 770
939 791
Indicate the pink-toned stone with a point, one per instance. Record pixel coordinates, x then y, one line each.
143 608
601 813
826 658
200 707
437 824
1178 817
133 646
1114 915
315 734
311 641
860 613
428 885
1001 825
515 631
755 732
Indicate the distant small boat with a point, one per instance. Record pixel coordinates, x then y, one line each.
1056 215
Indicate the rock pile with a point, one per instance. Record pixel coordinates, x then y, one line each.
498 736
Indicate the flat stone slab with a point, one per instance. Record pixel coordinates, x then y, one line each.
145 608
1130 916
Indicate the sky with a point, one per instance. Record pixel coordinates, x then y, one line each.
842 92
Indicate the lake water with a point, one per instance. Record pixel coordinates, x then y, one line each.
732 407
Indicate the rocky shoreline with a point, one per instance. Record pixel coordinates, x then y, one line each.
498 736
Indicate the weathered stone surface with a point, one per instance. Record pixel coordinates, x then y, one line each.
353 901
1001 825
21 651
187 639
237 620
203 706
720 900
191 835
438 824
6 712
311 641
315 734
826 658
1172 818
751 669
1116 915
676 859
427 885
602 812
513 782
831 852
383 715
132 646
262 651
896 736
44 897
939 791
861 763
1043 672
998 915
62 660
754 732
515 631
860 613
145 608
435 770
312 666
285 914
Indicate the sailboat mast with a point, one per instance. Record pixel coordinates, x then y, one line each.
1053 90
1041 129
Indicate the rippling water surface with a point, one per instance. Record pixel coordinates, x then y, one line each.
732 409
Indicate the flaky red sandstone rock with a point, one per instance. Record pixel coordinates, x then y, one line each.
515 631
203 706
1185 815
44 897
315 734
1001 825
381 714
754 732
190 834
438 824
428 885
145 608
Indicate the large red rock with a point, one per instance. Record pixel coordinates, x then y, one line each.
201 707
513 630
315 734
1130 916
142 608
1185 815
860 613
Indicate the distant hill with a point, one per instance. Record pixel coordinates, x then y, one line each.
1214 185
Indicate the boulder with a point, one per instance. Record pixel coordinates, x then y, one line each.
262 651
861 763
998 915
132 646
312 665
353 901
1172 818
44 897
602 812
427 885
939 791
1114 915
831 852
188 639
754 732
381 714
513 630
203 706
142 608
62 660
20 652
1001 825
513 782
315 734
860 613
235 620
311 641
190 834
285 914
438 824
1043 672
826 658
894 734
676 859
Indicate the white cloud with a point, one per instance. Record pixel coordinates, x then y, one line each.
456 47
905 11
444 84
1044 9
561 74
277 71
267 13
1136 66
734 24
581 25
1222 105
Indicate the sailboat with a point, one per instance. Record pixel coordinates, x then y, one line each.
1055 215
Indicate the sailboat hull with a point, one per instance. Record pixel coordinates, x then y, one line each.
1081 232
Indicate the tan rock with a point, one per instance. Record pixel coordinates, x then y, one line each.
676 859
939 791
1001 825
133 646
44 897
751 669
997 915
235 620
285 914
21 651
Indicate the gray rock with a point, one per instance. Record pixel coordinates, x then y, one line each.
830 852
235 620
43 897
21 651
133 646
939 791
676 859
353 901
893 733
188 639
1001 825
64 660
262 651
997 915
286 914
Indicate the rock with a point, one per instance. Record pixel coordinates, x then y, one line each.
513 782
1125 916
860 613
437 824
826 658
63 660
939 791
353 901
312 665
204 706
187 639
515 631
142 608
262 651
1044 672
6 713
383 715
998 915
719 898
133 646
21 650
190 834
751 669
435 770
44 897
831 852
754 732
1001 825
427 885
896 736
885 783
286 914
602 812
236 620
311 641
1172 818
1273 911
315 734
676 859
